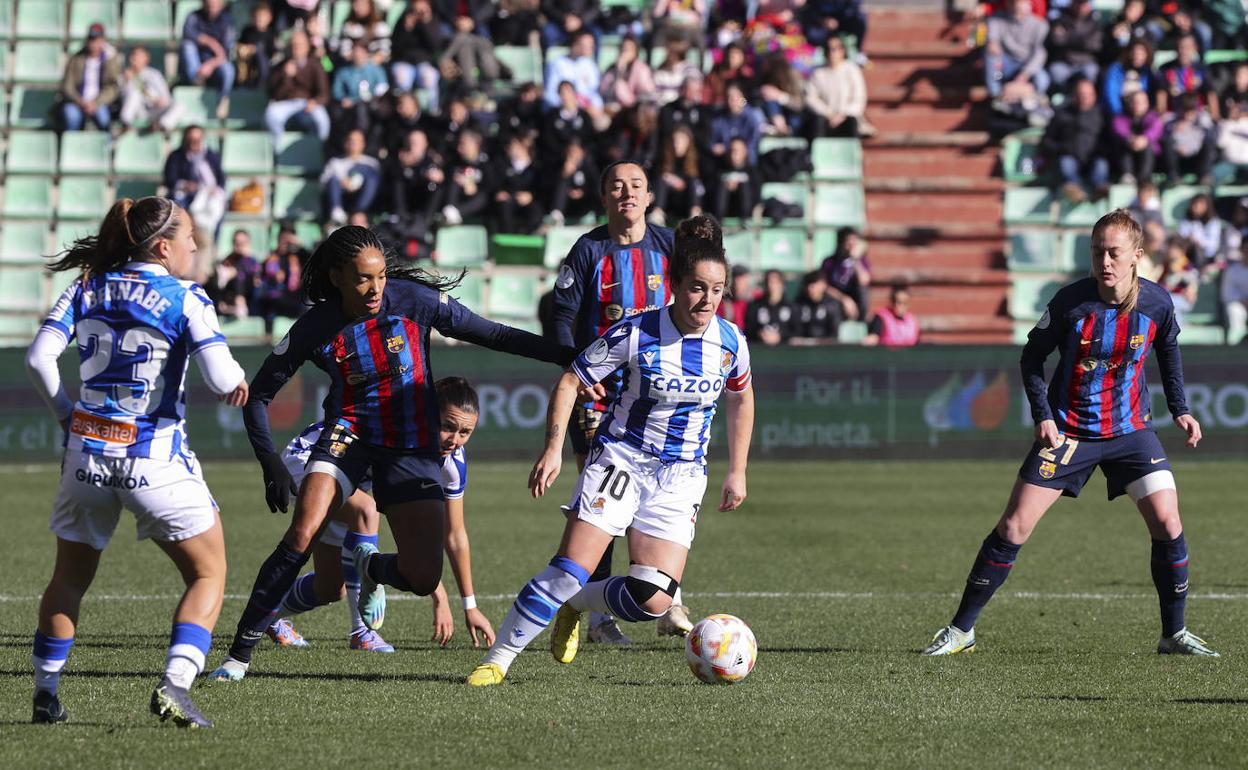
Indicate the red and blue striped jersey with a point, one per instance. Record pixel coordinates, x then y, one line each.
1098 389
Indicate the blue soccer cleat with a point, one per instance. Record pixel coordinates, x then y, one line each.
170 702
48 709
372 602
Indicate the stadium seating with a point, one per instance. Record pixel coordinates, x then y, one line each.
23 242
31 152
136 188
247 152
559 241
242 329
28 197
525 62
42 21
471 290
31 107
514 292
1030 295
741 247
146 21
38 62
462 246
83 197
782 248
262 238
299 154
837 205
139 154
836 159
84 152
516 249
851 332
199 105
1028 205
68 231
296 198
84 13
21 287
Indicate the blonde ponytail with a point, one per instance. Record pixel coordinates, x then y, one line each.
1122 219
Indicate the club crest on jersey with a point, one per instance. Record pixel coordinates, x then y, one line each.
726 362
1048 470
1137 341
598 504
338 448
654 281
395 344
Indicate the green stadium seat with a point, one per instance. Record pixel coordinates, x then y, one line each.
84 152
281 326
60 282
514 249
1076 250
246 108
233 184
837 205
147 21
301 154
555 52
31 152
23 241
471 290
1030 295
38 62
515 292
1174 202
28 197
1163 57
559 241
199 105
395 13
1018 156
836 159
18 330
4 62
136 188
183 9
296 199
68 231
769 143
1121 196
31 107
1028 205
247 152
782 248
83 197
741 247
1222 56
1202 334
461 246
21 288
525 62
308 233
1031 250
338 13
789 192
243 329
139 154
42 21
6 20
851 332
607 55
84 13
1082 214
262 237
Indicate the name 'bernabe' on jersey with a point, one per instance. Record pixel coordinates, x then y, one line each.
671 382
136 329
1098 389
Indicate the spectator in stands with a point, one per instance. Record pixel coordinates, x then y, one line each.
678 191
145 97
1235 88
1146 208
564 122
1212 239
1128 26
780 90
628 81
688 110
1014 56
679 20
208 38
280 289
1075 42
518 204
738 297
415 179
824 19
291 13
350 181
579 68
298 92
470 16
1072 142
738 120
414 46
1226 20
836 95
1233 135
1138 136
770 318
403 119
672 73
634 135
817 316
1132 72
469 53
576 192
257 45
232 285
567 18
1188 144
1233 297
364 26
738 188
468 191
315 27
1177 21
91 83
456 118
357 92
732 65
895 326
523 112
195 180
1180 278
1186 74
848 273
514 21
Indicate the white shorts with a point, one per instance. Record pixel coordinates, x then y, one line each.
168 498
622 488
295 457
334 534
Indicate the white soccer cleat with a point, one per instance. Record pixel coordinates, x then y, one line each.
608 632
675 622
230 670
372 601
951 641
1185 643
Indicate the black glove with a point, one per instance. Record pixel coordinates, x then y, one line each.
279 486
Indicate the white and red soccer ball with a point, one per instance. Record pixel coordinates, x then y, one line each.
721 649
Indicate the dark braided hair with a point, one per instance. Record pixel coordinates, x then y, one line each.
344 245
698 239
457 393
129 233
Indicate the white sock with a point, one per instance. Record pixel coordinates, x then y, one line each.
676 597
48 674
535 608
184 663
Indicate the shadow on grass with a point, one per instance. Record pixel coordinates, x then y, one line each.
1213 701
1067 698
154 675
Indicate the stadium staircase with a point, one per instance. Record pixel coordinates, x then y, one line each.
934 201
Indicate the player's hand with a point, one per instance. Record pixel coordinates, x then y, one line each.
595 392
733 493
236 397
1047 435
279 486
443 623
476 621
1190 427
545 471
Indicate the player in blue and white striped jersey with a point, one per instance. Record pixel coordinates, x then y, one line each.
646 472
137 326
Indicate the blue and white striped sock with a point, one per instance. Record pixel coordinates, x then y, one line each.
611 596
301 597
49 656
352 580
188 647
535 608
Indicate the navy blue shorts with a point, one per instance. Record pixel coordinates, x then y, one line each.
1068 467
398 476
584 424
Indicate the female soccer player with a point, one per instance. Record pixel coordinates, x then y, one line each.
136 325
1096 413
368 328
646 473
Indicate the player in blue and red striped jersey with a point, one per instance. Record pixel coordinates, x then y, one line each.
1096 412
368 329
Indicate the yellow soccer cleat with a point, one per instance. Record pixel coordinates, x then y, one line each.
486 674
565 634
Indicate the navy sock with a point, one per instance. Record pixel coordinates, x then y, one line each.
992 567
384 568
1170 577
275 578
603 570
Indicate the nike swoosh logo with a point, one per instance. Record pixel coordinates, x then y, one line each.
344 358
1158 460
429 485
611 285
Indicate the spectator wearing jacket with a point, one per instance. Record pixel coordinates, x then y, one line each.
415 43
1074 44
678 191
628 81
352 180
195 180
769 319
145 96
1014 57
298 92
848 273
416 180
1132 72
257 45
91 83
576 192
518 200
468 190
1189 143
836 95
208 39
1138 137
357 92
818 316
567 18
737 191
1073 140
738 120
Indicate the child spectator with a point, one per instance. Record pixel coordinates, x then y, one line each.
818 316
414 46
518 205
770 318
895 326
145 97
357 90
195 181
280 288
564 122
257 45
233 282
673 72
208 38
567 18
1132 72
1014 56
628 81
91 83
836 95
1188 144
1074 43
351 180
737 121
848 273
467 194
364 26
678 191
576 192
739 186
415 178
1146 208
298 92
1138 136
1073 140
1180 278
1211 238
1185 75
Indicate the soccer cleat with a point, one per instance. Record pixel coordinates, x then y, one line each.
170 702
48 709
608 632
283 634
485 675
1185 643
370 641
950 641
372 602
675 622
565 634
230 670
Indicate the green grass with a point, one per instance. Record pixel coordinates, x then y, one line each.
864 562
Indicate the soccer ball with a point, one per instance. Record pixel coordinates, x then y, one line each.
721 649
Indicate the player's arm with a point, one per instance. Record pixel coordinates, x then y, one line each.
459 554
570 290
277 369
739 392
457 321
1170 361
223 375
50 342
1041 341
443 620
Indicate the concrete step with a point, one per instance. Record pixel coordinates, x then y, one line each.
915 44
915 138
927 93
940 70
934 210
1004 337
933 184
928 117
883 162
924 234
925 275
893 253
984 302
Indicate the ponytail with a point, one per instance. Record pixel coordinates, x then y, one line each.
129 233
1122 219
457 393
342 246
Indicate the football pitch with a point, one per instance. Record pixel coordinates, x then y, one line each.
843 570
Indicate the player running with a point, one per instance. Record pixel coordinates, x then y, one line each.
136 325
646 473
613 272
368 328
1096 413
